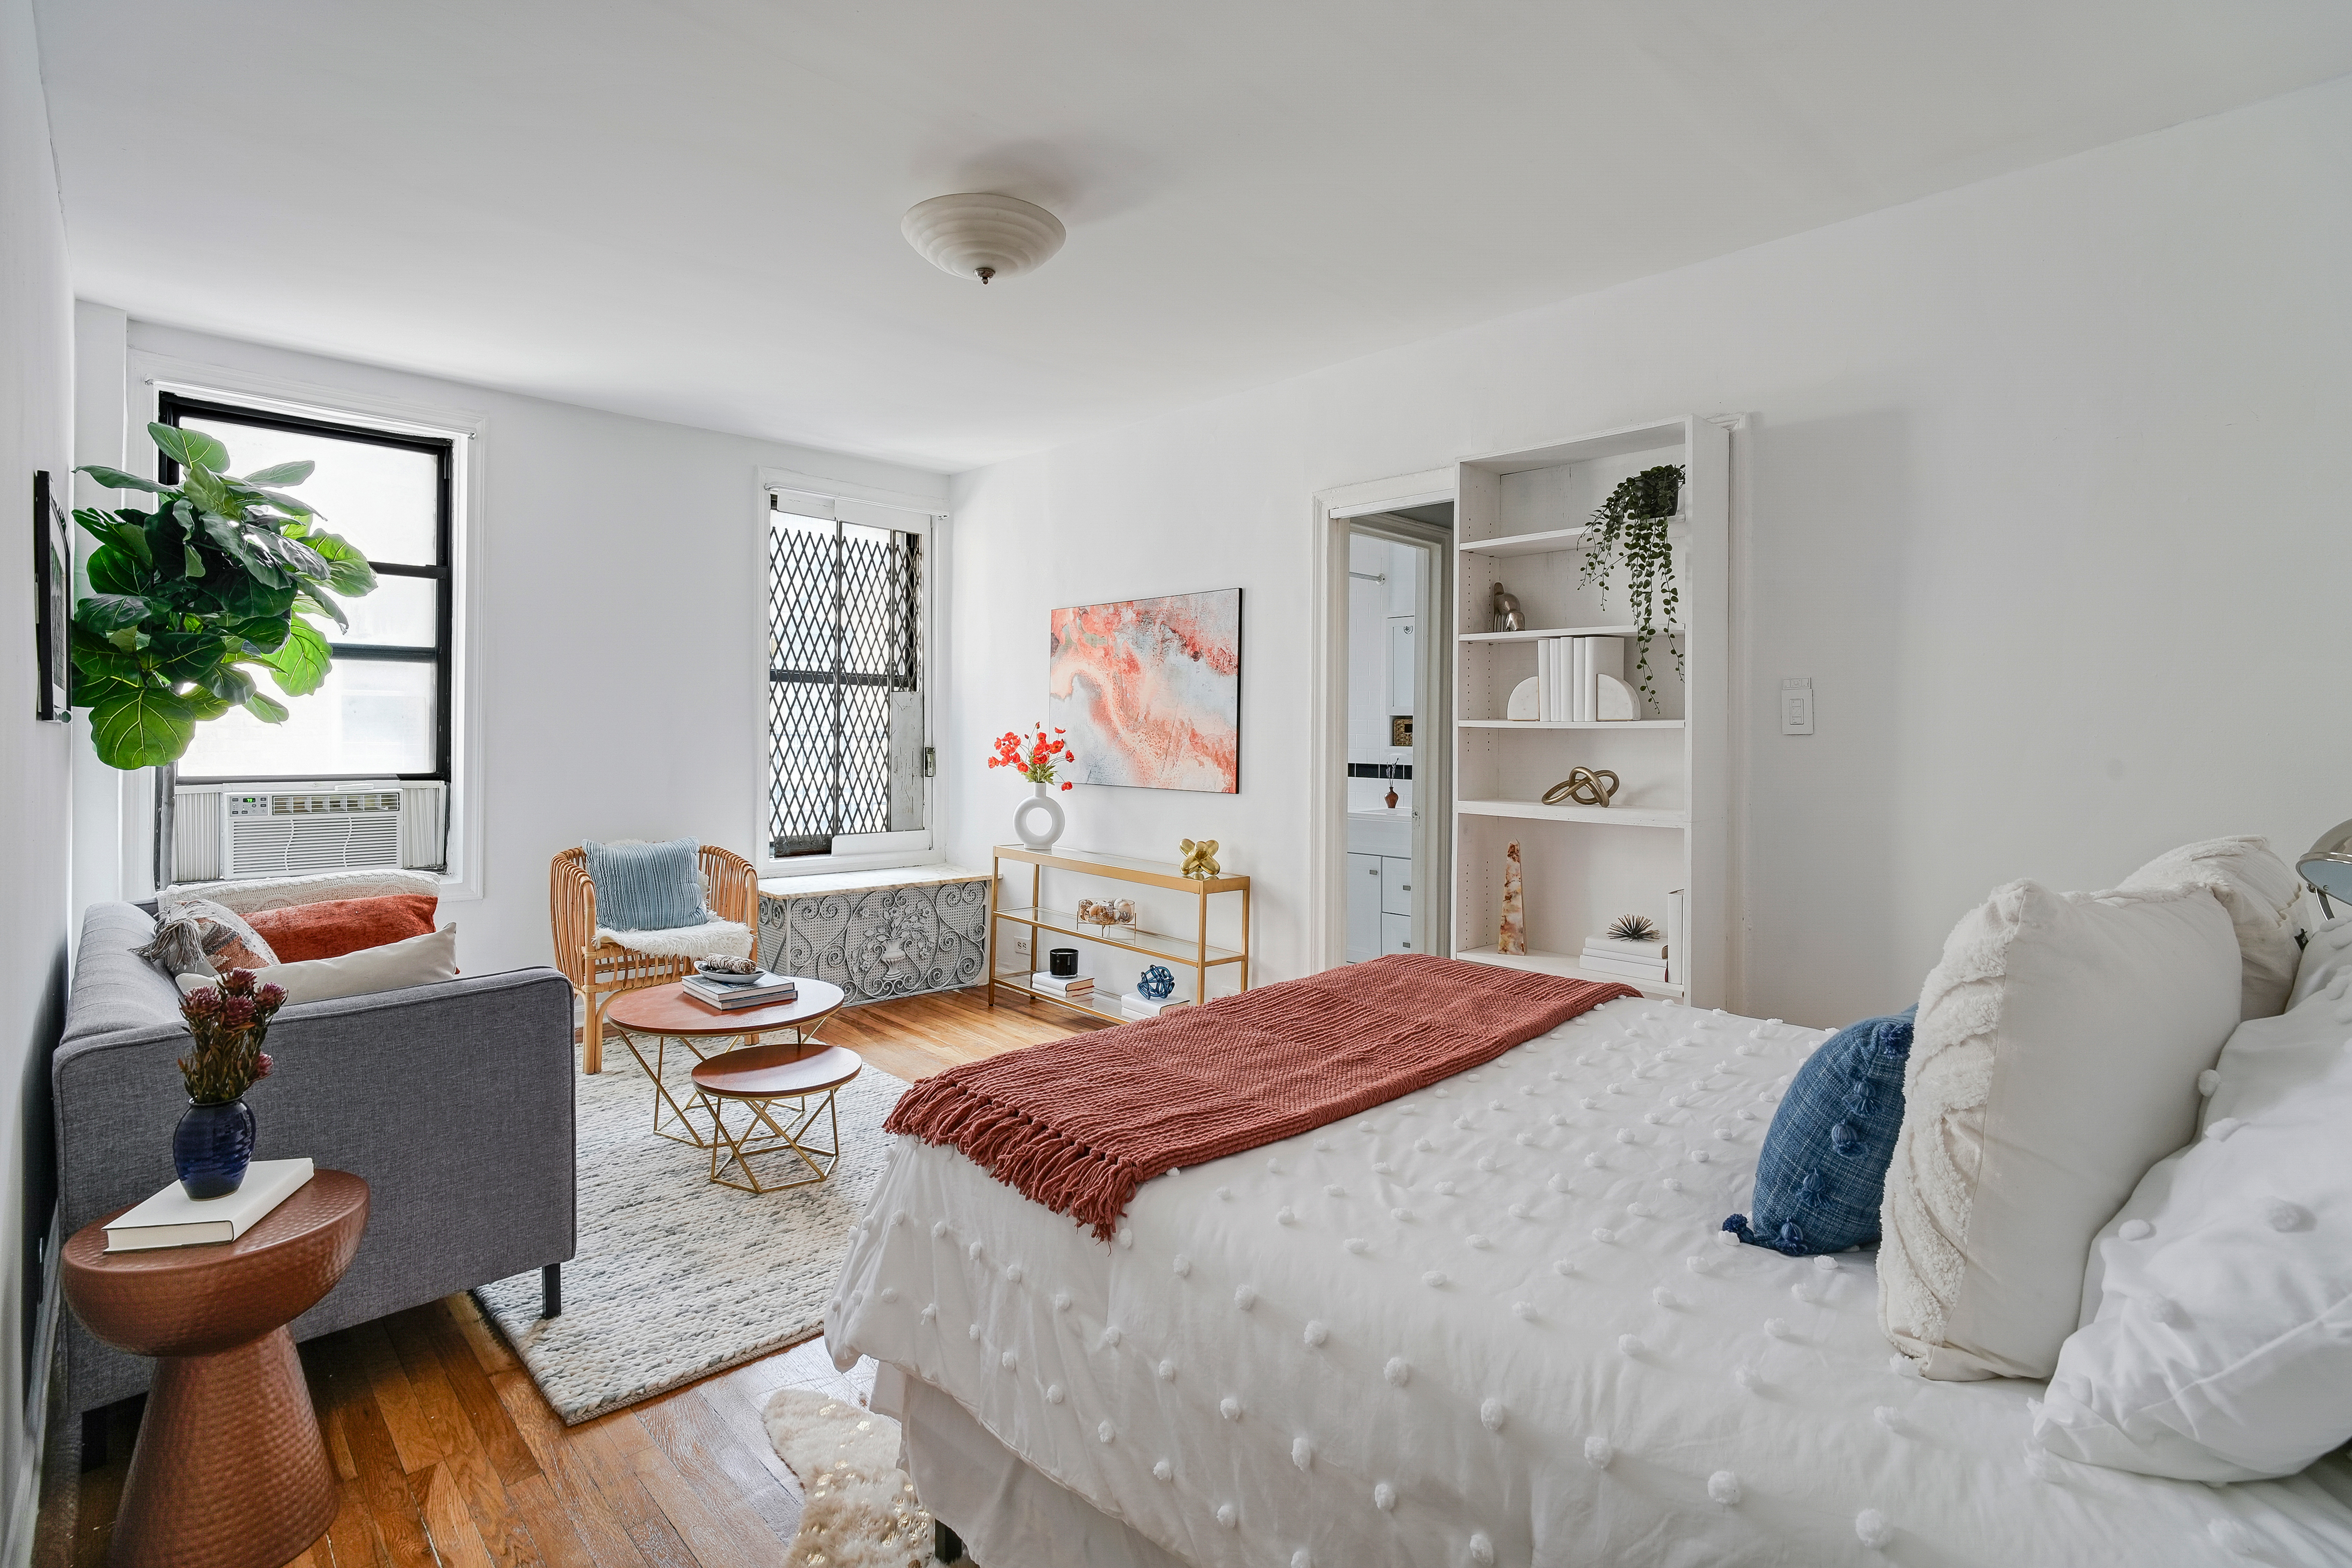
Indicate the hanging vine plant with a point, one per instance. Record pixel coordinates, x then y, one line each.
223 575
1631 528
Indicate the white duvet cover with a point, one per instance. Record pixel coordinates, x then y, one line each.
1495 1322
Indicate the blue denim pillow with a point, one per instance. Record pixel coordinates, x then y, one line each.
1823 1166
647 886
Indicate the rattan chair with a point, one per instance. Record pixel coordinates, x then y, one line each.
600 970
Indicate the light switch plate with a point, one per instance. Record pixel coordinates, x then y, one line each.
1797 706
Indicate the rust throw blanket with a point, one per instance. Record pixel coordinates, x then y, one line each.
1079 1123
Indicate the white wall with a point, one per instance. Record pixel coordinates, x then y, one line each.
623 632
2045 499
35 425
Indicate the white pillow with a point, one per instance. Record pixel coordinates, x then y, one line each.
2323 958
2265 899
2054 1060
2216 1342
414 960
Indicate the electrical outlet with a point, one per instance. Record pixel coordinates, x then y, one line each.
1797 706
1020 944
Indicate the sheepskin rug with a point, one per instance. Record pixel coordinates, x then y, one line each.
858 1509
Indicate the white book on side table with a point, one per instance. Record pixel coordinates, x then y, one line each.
172 1218
1151 1007
1062 985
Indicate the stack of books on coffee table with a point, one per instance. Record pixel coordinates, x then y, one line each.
767 991
1634 961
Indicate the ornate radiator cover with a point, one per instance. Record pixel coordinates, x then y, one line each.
879 941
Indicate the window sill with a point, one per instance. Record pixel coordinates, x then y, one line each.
899 873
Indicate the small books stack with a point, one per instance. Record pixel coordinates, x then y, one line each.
1634 961
1149 1006
1568 675
1072 986
767 991
172 1218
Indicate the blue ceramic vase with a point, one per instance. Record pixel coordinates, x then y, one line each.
212 1146
1157 982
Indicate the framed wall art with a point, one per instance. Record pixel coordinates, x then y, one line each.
1150 691
53 595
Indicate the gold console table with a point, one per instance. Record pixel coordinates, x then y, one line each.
1192 952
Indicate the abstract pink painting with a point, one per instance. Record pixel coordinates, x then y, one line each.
1151 690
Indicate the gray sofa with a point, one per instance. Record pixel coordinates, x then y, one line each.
453 1101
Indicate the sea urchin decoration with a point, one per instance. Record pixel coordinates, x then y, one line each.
1632 928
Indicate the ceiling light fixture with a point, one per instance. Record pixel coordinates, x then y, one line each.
981 235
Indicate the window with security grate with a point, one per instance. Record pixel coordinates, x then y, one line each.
845 755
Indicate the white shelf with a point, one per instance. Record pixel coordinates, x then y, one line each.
1571 723
1551 539
1561 632
1568 969
1609 815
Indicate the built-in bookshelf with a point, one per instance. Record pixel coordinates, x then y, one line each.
1519 520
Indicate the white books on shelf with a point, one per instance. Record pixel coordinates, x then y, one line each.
1151 1007
1651 952
1062 985
1632 969
1602 656
172 1218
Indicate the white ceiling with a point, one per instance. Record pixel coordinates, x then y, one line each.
690 210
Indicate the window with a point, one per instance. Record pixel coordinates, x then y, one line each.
384 710
848 763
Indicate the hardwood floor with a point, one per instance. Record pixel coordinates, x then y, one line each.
449 1457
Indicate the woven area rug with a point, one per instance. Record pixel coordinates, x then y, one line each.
677 1277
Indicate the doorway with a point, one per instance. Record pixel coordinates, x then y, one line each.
1393 799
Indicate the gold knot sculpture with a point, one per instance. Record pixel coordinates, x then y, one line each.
1199 860
1585 786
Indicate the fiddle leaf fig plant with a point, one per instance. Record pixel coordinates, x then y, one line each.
1630 527
189 601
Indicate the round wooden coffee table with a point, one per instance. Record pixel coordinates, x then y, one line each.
759 1077
230 1470
665 1013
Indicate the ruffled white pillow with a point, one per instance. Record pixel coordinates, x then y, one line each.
2216 1341
2264 897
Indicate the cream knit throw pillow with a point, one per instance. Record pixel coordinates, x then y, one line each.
2054 1060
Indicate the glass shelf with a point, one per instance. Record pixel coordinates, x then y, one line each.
1065 922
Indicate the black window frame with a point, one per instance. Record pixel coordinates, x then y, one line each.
171 407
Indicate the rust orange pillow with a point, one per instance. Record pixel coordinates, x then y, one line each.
337 926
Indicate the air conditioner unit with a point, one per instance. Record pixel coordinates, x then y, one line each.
283 835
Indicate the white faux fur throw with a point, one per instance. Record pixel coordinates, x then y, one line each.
858 1509
719 939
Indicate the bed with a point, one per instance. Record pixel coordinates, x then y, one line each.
1492 1321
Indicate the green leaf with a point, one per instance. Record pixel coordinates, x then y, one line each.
292 473
351 573
194 560
116 479
192 449
111 572
229 536
190 656
302 664
203 706
141 727
261 633
228 682
90 689
267 709
297 556
115 528
285 503
313 598
98 657
107 613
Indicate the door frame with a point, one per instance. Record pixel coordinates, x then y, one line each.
1339 512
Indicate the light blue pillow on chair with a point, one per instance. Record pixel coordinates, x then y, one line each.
647 886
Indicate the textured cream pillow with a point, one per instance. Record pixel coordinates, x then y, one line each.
2054 1060
416 961
2264 897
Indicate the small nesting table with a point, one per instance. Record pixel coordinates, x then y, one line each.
760 1076
665 1013
230 1470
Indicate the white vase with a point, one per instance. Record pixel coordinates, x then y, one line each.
1043 836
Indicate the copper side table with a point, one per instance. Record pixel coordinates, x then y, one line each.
665 1013
230 1470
